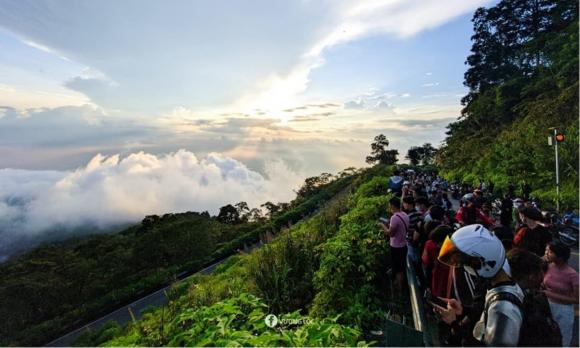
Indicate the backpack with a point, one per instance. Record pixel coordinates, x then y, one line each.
539 329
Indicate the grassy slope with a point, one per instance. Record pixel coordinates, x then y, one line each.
328 269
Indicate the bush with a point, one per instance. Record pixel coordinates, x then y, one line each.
351 278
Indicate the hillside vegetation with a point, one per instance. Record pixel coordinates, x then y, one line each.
328 272
523 78
57 287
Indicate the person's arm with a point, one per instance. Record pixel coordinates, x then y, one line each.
459 215
502 330
453 311
519 236
386 229
562 298
425 256
393 225
486 220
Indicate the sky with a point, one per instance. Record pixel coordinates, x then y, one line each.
98 95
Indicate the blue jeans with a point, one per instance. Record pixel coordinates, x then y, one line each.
564 315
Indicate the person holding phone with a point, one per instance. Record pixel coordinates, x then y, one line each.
480 253
396 231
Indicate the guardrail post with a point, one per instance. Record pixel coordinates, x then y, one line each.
419 320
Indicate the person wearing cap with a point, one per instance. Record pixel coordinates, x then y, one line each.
532 236
480 253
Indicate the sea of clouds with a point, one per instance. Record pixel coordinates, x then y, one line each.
36 206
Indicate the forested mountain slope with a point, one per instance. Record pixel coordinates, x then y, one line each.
523 79
324 278
57 287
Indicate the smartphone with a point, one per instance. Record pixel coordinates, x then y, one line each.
437 302
384 221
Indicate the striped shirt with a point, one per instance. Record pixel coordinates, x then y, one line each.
414 218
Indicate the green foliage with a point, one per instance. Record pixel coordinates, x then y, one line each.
57 285
286 266
47 290
421 154
313 185
239 321
283 270
95 338
380 154
351 279
331 266
523 79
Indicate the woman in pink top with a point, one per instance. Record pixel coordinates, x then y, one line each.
396 231
561 288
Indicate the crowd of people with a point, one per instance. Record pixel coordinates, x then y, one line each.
490 279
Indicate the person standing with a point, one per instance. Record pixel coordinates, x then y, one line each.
396 231
396 183
561 288
506 214
539 328
482 254
532 236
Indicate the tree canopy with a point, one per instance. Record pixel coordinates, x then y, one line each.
522 78
380 154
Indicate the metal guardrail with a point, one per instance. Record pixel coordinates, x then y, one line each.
419 320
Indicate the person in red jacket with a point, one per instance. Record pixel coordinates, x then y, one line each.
469 214
437 272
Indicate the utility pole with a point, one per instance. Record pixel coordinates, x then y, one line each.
554 139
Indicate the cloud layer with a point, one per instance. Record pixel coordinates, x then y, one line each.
110 191
148 56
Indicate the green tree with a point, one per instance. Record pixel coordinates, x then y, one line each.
243 211
271 208
522 79
380 154
228 214
427 153
414 155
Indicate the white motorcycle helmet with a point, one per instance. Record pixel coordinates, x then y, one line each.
476 249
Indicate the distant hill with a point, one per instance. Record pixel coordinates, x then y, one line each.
48 291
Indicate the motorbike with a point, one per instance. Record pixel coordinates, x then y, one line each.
563 229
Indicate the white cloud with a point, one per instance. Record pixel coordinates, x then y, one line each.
358 103
23 98
111 190
373 100
430 84
209 53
